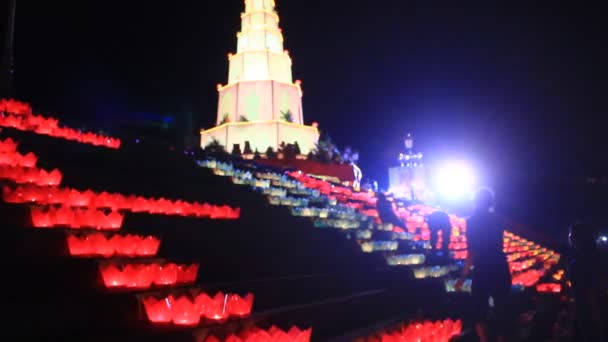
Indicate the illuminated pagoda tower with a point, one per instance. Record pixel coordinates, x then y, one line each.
261 103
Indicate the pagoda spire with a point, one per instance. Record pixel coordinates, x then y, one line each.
261 103
260 55
259 5
260 28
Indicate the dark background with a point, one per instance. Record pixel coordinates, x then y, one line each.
517 89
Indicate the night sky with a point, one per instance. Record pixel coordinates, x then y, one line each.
518 90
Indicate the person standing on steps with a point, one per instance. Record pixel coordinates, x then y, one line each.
386 212
588 273
491 277
439 221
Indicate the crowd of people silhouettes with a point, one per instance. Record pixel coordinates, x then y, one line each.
486 264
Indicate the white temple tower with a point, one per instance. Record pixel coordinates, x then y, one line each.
261 103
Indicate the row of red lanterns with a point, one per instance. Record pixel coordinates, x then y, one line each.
312 183
460 255
549 288
22 169
98 244
518 255
15 107
417 220
75 218
31 175
50 127
142 276
89 199
17 159
527 278
8 146
517 266
188 310
273 334
440 331
341 193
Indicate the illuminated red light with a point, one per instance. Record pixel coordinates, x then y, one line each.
549 288
527 278
186 310
23 175
76 218
89 199
158 310
187 274
425 331
460 255
15 107
273 334
20 116
213 308
239 306
98 245
142 276
166 274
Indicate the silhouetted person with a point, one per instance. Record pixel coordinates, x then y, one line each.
587 272
491 276
386 212
440 222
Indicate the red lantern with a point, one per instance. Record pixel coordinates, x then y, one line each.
140 205
166 275
41 219
217 310
148 246
10 196
549 288
64 216
125 245
114 221
239 306
29 160
140 276
184 311
78 246
212 308
233 338
79 199
460 255
14 122
425 234
8 145
8 158
158 310
298 335
100 245
112 276
28 175
186 274
56 196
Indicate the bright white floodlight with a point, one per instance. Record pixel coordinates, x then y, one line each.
455 180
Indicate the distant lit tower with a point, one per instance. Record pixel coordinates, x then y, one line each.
408 179
7 70
409 158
